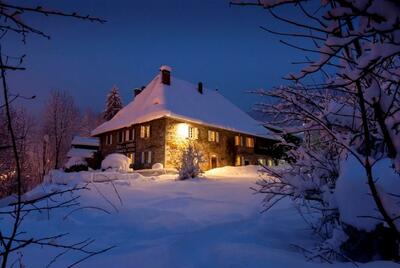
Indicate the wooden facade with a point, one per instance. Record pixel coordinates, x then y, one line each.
163 140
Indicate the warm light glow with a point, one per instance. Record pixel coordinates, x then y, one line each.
182 130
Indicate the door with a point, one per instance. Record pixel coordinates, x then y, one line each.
213 161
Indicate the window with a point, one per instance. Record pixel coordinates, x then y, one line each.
213 136
131 157
270 162
238 140
249 142
109 139
143 158
262 161
146 157
239 161
121 136
145 131
129 134
193 133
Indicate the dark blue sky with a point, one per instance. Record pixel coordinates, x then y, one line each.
203 40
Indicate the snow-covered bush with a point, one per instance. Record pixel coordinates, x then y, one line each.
345 174
76 164
190 163
117 162
157 166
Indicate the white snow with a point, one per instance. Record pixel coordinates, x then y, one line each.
181 100
354 198
157 166
88 141
230 171
117 162
82 153
208 222
75 161
165 68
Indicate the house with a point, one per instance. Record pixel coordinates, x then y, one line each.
85 148
169 113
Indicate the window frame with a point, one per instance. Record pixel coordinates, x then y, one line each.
146 157
237 140
130 134
249 142
145 131
121 136
193 133
262 161
109 139
213 136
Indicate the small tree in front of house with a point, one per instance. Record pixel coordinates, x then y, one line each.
190 163
113 104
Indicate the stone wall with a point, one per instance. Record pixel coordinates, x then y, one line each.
225 150
155 143
222 150
167 146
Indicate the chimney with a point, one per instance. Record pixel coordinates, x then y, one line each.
137 91
200 87
165 75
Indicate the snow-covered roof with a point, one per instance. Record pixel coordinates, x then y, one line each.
87 141
78 152
181 100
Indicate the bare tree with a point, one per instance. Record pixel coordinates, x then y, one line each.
13 24
23 126
352 111
60 124
90 120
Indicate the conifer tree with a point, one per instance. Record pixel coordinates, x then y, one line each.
113 104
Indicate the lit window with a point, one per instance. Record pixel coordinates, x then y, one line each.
270 162
193 133
262 161
145 131
129 134
238 140
249 142
239 161
109 139
213 136
131 157
182 130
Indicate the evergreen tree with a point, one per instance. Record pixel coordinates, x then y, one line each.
113 104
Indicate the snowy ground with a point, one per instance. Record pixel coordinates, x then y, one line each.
208 222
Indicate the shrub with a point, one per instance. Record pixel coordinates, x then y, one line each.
190 163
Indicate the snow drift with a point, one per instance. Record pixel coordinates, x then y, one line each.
116 162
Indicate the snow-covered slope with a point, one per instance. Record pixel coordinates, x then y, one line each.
183 101
160 223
